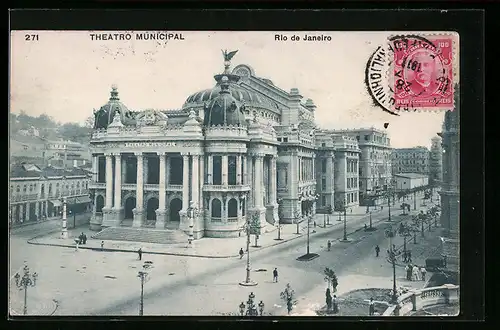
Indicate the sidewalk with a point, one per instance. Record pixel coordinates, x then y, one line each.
201 248
37 304
204 247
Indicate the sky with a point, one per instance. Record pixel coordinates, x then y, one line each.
66 74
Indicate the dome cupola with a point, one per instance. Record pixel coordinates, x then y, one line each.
104 116
225 109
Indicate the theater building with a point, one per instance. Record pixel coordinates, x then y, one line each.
232 151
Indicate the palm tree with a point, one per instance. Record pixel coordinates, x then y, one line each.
331 278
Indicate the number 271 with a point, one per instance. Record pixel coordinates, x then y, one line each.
31 37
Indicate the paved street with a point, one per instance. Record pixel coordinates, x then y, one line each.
88 282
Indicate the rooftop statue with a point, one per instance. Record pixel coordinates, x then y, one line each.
228 56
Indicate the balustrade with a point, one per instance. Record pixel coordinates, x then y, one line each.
232 219
419 299
216 219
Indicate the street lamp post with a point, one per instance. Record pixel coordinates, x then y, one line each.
191 213
308 223
391 257
280 214
248 281
64 232
142 274
24 282
389 205
371 220
250 309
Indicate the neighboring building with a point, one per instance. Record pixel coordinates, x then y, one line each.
346 171
450 188
232 151
374 163
410 160
66 153
436 162
408 181
37 193
337 170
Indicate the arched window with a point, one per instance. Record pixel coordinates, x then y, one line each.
216 208
50 188
231 170
232 208
24 189
18 189
31 188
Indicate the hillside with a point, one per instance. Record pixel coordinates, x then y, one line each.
49 129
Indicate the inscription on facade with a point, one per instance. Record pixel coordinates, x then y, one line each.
149 144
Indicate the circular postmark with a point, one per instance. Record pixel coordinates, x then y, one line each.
411 73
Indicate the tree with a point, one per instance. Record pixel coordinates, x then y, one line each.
89 122
331 278
255 227
288 296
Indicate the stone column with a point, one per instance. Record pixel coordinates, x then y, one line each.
118 188
249 173
244 179
313 164
95 167
139 211
239 177
37 210
201 181
184 221
330 177
167 170
224 170
161 211
210 169
259 209
27 206
145 170
109 182
124 169
185 182
195 192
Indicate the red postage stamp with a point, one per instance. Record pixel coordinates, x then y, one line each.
423 72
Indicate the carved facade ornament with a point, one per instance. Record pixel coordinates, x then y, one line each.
151 117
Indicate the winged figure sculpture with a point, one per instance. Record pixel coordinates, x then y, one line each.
228 55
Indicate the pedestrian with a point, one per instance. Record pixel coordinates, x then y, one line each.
410 272
328 300
77 245
275 275
35 276
377 250
139 252
372 307
102 245
17 277
84 239
335 304
407 270
423 271
366 227
241 253
329 244
415 273
409 257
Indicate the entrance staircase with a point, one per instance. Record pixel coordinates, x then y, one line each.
144 235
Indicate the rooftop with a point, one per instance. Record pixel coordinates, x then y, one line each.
411 175
27 170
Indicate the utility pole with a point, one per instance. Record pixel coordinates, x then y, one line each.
370 220
308 226
142 275
414 199
392 259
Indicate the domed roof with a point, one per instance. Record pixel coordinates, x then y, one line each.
224 109
104 116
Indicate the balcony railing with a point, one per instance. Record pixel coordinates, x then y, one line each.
216 219
97 185
232 219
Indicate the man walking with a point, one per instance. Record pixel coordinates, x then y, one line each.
139 252
275 275
372 307
409 257
329 245
241 253
377 251
102 245
423 271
